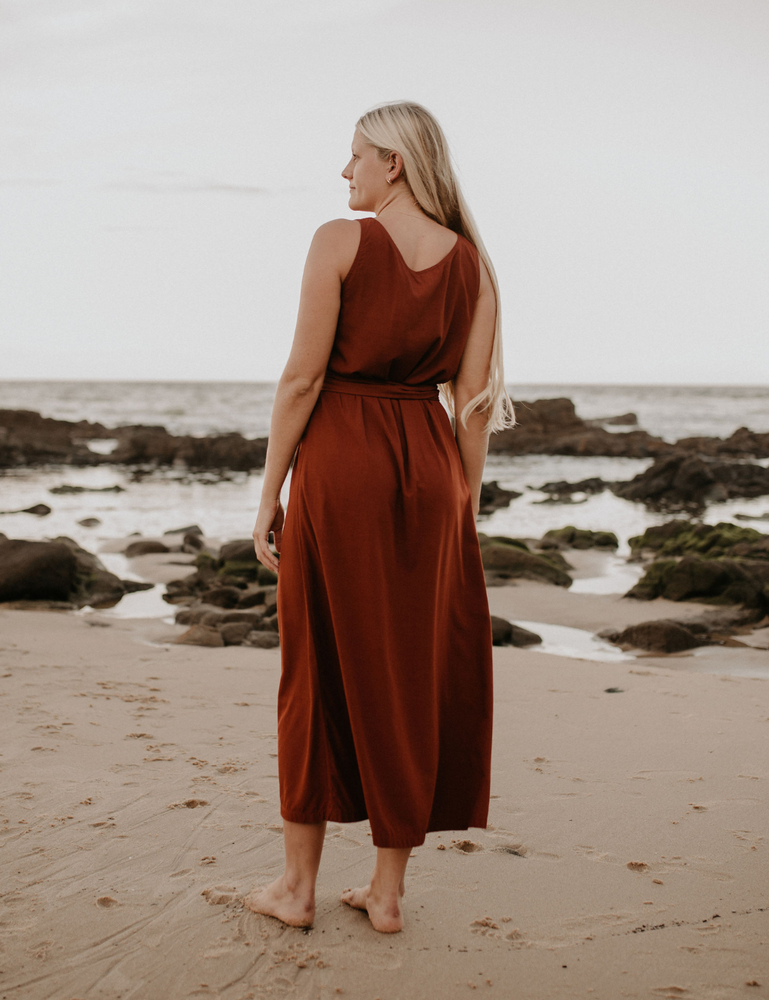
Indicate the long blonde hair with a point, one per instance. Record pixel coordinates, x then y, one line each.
409 129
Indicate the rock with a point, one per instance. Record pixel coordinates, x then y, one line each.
66 489
688 481
132 586
251 617
723 581
233 633
36 571
144 548
561 492
200 635
241 550
678 538
192 542
506 562
505 633
192 616
552 427
89 522
663 636
59 570
263 640
222 597
493 497
40 510
190 529
579 538
143 445
27 438
744 443
251 599
623 420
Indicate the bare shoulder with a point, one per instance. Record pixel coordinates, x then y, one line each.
336 243
485 286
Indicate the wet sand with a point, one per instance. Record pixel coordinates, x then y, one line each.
626 852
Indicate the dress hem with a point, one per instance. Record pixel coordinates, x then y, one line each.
388 842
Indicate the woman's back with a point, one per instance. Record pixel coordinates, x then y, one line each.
398 323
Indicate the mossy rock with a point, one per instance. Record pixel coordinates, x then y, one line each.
679 538
709 581
265 576
243 570
517 543
580 538
509 561
650 585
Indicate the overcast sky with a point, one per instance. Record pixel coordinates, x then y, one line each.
164 164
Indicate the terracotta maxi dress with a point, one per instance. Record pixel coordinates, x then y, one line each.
385 699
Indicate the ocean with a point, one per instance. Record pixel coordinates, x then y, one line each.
225 507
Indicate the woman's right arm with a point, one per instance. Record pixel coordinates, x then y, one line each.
472 378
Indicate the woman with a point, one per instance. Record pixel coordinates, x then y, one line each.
385 700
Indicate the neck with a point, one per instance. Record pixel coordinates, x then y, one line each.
400 201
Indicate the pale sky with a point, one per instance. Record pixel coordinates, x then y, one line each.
164 164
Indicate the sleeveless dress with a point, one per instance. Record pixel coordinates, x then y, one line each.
385 697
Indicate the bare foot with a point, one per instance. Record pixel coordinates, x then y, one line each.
295 908
384 913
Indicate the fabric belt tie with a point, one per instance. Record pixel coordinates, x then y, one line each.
390 390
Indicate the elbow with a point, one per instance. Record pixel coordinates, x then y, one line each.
302 386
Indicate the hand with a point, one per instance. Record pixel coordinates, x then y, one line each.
269 519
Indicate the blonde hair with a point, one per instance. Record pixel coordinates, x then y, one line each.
409 129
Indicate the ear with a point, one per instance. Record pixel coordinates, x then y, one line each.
394 166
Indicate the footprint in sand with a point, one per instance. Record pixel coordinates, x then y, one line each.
220 895
106 902
187 804
466 846
519 850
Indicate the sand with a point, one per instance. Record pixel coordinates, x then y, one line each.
626 852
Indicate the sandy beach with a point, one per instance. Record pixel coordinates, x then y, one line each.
625 854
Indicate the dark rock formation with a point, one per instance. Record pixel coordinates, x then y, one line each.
578 538
201 635
711 581
562 492
39 510
493 496
145 547
27 438
681 537
743 443
505 633
623 420
156 447
689 482
552 427
669 635
663 636
509 558
58 570
66 489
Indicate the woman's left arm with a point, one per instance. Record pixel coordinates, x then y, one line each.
329 259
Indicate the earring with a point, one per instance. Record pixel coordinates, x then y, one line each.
389 180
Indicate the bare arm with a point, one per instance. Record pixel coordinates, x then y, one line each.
472 378
330 257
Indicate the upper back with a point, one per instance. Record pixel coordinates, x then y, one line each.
406 306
